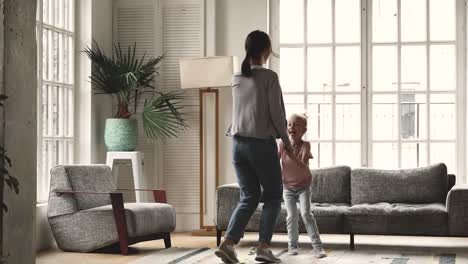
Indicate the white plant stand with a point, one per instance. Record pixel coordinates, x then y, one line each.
136 158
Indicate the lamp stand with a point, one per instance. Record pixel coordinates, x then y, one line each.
207 230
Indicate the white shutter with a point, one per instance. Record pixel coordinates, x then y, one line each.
182 37
135 22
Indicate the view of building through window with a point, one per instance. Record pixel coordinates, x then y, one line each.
55 35
376 78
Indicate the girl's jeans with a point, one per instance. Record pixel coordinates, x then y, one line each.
291 197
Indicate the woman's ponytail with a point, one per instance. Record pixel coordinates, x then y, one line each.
256 44
246 70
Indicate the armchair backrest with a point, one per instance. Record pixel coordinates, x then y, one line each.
86 178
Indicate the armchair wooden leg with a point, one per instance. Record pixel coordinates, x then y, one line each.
218 236
351 241
119 217
167 240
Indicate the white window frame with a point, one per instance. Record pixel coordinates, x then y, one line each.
366 81
43 178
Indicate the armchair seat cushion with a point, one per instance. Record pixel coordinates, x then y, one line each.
397 219
143 218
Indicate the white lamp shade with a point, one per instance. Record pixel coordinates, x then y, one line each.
208 72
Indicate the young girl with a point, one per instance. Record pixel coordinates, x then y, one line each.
296 180
258 118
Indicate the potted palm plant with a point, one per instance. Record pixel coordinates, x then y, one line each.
129 80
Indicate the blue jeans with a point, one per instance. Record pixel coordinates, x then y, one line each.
291 197
257 167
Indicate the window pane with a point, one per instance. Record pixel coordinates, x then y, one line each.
442 19
443 73
348 69
320 117
292 21
45 11
413 119
347 21
48 11
442 113
70 113
55 57
292 69
71 15
45 109
55 111
61 55
50 56
384 68
413 155
384 20
68 14
319 21
384 117
444 152
45 54
348 154
413 20
348 117
385 155
294 104
58 13
71 60
319 69
322 153
413 68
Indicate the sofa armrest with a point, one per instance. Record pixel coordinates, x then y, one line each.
227 198
457 208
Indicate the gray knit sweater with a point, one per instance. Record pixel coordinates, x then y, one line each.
258 107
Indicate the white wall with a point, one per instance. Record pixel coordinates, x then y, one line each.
234 20
101 104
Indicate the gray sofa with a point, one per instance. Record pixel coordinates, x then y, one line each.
423 201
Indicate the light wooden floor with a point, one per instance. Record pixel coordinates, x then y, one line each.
423 245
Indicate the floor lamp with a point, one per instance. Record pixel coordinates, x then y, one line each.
207 74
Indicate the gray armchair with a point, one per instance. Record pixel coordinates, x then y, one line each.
86 211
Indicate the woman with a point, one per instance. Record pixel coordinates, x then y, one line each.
258 119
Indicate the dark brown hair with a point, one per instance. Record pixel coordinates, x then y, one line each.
255 44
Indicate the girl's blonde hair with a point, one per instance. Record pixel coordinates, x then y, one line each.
303 117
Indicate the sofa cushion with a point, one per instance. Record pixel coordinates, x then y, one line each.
329 218
421 185
397 219
331 185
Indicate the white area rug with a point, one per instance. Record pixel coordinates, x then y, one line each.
335 256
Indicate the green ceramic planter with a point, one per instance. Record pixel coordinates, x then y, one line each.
120 134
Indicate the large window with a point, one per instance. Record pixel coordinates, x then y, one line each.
55 39
377 78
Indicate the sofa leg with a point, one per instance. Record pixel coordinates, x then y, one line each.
351 241
167 240
218 236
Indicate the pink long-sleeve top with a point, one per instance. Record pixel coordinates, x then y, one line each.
296 172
